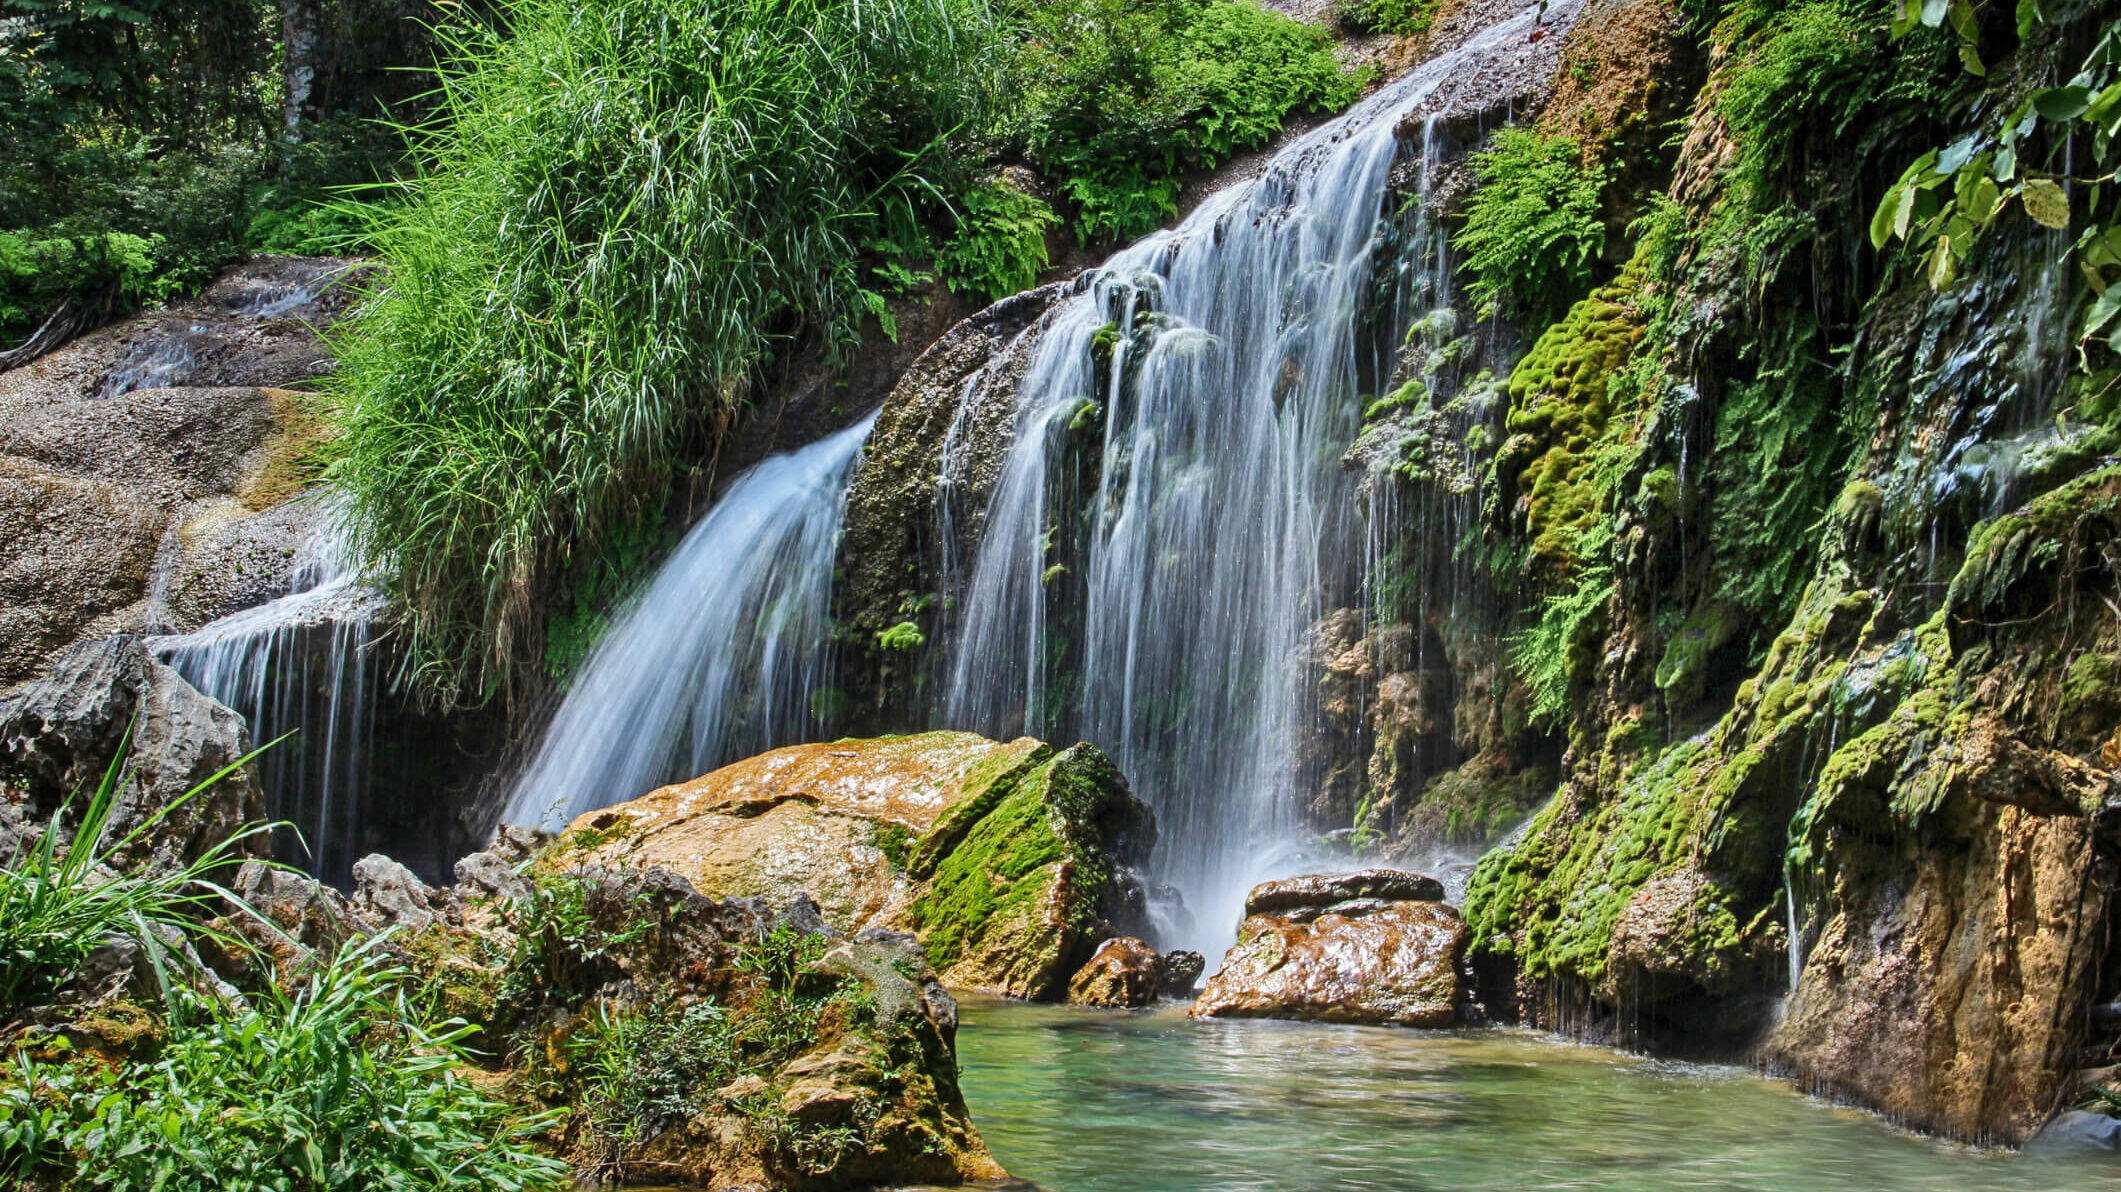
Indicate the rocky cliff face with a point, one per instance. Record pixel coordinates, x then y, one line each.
1776 582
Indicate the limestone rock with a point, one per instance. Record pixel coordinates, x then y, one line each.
1343 959
59 734
146 467
1009 861
392 895
1122 972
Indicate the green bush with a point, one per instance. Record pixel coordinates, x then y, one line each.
633 208
1389 16
1000 245
1121 98
337 1087
1532 230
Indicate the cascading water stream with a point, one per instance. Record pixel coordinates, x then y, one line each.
300 665
1173 501
719 657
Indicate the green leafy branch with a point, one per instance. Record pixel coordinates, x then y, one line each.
1949 197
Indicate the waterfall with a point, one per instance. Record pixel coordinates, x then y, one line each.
1173 504
719 657
300 665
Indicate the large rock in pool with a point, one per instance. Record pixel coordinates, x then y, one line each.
1009 861
1375 947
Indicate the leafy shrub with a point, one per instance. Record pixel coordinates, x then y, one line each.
1388 16
634 206
337 1087
1000 245
1123 97
1532 231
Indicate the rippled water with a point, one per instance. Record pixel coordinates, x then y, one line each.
1088 1101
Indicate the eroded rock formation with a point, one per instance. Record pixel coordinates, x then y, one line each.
1009 861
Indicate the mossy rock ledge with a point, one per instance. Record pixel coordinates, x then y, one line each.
1009 861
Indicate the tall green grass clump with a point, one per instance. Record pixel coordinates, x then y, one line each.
60 902
634 208
337 1086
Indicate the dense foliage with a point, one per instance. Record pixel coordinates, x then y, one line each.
145 149
1121 99
341 1085
634 212
1532 230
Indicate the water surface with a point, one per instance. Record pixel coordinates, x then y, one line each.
1077 1100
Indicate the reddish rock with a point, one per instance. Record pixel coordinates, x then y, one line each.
1122 972
1362 959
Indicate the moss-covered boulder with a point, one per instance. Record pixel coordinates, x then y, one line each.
1009 861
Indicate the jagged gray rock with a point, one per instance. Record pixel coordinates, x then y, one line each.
59 734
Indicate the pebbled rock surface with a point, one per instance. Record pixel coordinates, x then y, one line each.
1009 861
59 734
1344 956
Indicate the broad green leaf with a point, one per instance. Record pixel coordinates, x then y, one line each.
2028 16
2062 103
1943 264
1933 12
1983 201
1965 24
2046 203
1887 217
2006 164
1957 153
1970 58
2102 311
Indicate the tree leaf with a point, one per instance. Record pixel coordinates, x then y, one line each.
1887 217
1944 264
1933 12
2102 311
1970 58
2063 103
1957 153
1981 202
2006 164
2045 202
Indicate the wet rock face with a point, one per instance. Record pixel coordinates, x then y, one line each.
59 734
1008 861
1312 895
1327 950
1122 972
145 466
935 455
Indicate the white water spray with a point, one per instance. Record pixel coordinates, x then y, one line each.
719 657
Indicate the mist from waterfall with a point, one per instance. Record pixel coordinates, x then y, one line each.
719 657
1174 503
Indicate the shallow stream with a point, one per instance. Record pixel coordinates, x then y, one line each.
1077 1100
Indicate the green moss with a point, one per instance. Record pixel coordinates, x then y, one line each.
2034 538
990 857
903 637
1553 898
1560 415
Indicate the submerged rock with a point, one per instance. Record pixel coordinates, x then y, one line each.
1321 948
1122 972
1008 861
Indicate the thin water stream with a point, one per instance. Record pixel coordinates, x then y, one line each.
1077 1100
